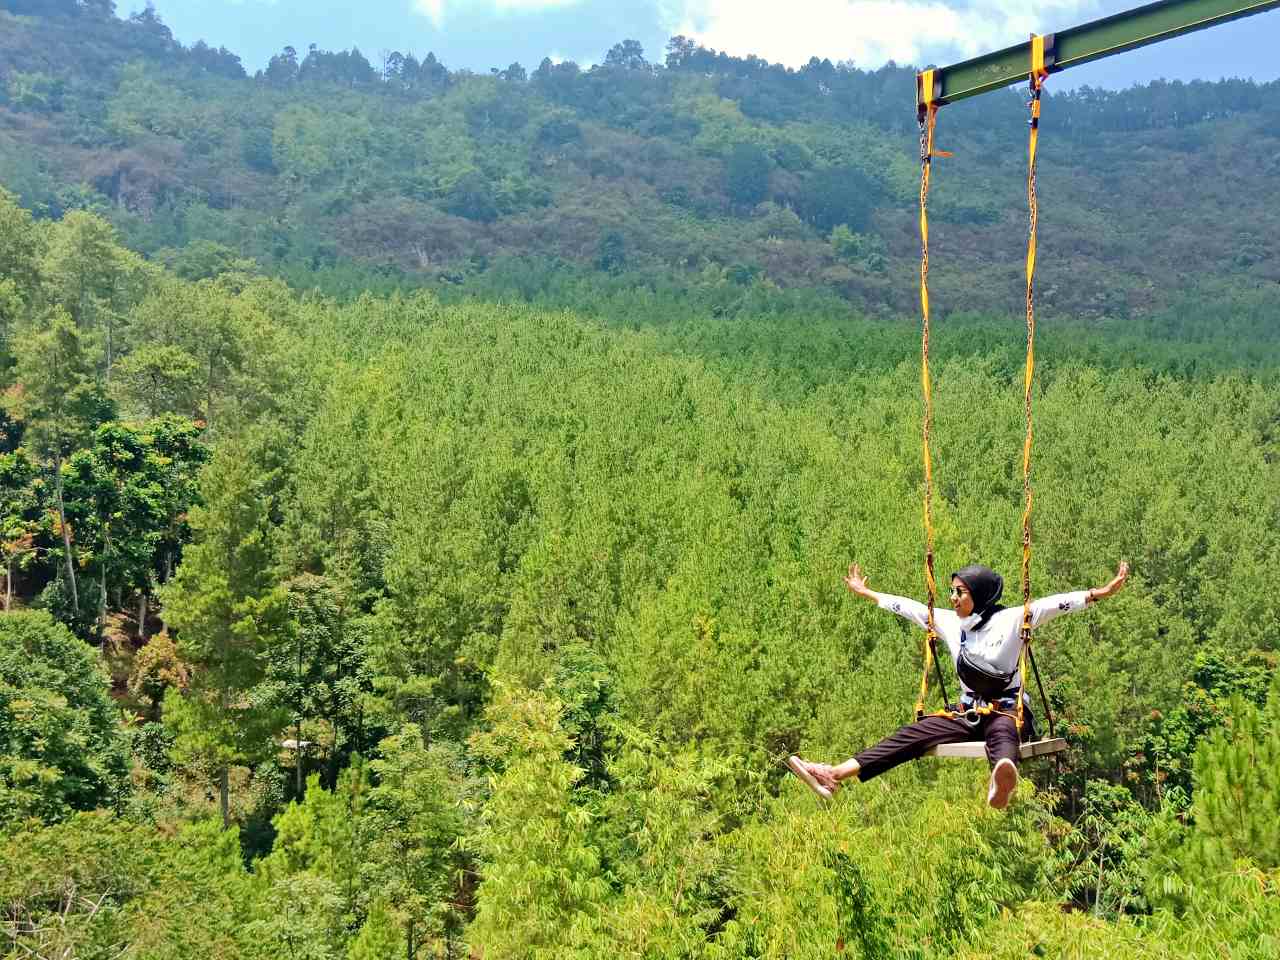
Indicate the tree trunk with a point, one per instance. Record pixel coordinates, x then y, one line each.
8 585
102 600
224 797
66 531
297 753
142 616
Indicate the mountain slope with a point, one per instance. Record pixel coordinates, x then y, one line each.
711 169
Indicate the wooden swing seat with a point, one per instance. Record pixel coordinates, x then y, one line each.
977 750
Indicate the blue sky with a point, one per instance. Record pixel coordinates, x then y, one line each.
479 34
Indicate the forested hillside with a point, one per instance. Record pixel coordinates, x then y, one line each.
701 168
355 608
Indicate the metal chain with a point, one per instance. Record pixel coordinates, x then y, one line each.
927 119
1033 209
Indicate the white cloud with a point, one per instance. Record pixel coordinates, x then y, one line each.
436 10
869 32
433 9
556 57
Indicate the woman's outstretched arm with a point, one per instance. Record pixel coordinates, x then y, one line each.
905 607
1049 608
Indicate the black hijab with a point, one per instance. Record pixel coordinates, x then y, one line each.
985 586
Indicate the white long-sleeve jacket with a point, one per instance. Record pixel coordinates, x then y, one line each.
998 640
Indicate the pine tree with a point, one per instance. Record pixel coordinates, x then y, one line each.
59 402
544 888
228 610
380 937
1237 789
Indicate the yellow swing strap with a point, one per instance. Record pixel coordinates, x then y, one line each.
1037 76
928 116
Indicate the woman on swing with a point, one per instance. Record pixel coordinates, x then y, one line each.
984 639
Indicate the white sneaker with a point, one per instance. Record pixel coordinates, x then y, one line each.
801 770
1004 780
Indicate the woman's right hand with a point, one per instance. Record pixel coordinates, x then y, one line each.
856 582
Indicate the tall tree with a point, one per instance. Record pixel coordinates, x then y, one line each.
81 265
60 403
228 611
282 69
320 670
415 819
21 247
20 514
94 278
747 174
125 492
627 55
545 889
189 346
1237 792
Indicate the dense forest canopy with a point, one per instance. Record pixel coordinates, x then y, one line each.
424 496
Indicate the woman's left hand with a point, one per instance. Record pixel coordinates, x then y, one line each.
1122 574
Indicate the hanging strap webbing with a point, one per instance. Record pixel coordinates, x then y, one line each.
1037 76
928 117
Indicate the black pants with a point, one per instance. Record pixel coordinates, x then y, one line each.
915 739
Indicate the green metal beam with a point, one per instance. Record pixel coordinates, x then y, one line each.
1092 41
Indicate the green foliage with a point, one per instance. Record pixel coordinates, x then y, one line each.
319 673
613 252
385 847
610 540
228 611
675 660
1105 854
70 887
58 404
1237 795
127 494
36 92
1164 760
416 821
204 260
60 748
200 902
866 250
157 667
324 164
303 922
311 145
21 250
861 921
544 888
60 401
660 831
146 103
92 276
221 361
747 174
380 936
835 196
22 517
159 378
